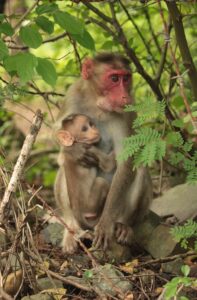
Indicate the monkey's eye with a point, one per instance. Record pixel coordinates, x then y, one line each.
126 78
114 78
84 128
91 124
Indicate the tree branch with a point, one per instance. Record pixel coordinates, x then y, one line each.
183 45
20 164
151 29
137 29
163 57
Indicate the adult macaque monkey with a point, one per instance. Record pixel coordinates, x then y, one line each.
102 93
90 191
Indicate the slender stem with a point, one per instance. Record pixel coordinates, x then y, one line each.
179 76
183 45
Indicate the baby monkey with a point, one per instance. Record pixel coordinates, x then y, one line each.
87 191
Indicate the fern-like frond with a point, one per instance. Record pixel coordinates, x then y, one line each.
147 110
175 139
146 146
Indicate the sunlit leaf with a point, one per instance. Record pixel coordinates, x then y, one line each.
45 24
85 40
46 8
31 36
6 28
47 71
3 50
68 22
23 63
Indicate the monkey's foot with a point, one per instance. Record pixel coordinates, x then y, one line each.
69 244
124 234
104 232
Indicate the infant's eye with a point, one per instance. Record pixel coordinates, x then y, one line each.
114 78
84 128
91 124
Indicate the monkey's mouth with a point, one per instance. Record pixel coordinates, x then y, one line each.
93 140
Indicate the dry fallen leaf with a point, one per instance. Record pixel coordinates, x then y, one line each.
129 266
57 294
13 282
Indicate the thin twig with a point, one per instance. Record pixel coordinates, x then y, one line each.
166 259
24 15
179 75
20 164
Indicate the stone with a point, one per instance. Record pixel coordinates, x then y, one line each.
173 267
108 280
47 283
180 201
53 233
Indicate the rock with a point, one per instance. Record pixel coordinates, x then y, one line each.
53 234
155 237
109 280
38 297
179 201
47 283
116 253
173 267
106 281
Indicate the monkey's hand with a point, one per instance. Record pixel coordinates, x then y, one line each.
104 233
108 163
124 234
83 155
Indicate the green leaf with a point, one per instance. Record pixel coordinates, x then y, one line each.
108 45
47 71
88 274
46 8
3 50
6 28
2 16
178 102
23 63
185 270
68 22
175 139
45 24
178 123
31 36
170 291
85 40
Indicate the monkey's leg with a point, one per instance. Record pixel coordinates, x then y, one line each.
96 201
69 244
138 201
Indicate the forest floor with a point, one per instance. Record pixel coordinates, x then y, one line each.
34 267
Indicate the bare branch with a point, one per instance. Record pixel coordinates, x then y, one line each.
179 75
183 45
20 164
151 29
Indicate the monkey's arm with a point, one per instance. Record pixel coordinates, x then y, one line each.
106 162
79 153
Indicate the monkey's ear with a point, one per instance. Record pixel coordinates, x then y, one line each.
87 68
65 138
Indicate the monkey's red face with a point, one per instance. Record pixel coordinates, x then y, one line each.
115 86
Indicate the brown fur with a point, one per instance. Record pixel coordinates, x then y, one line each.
130 191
